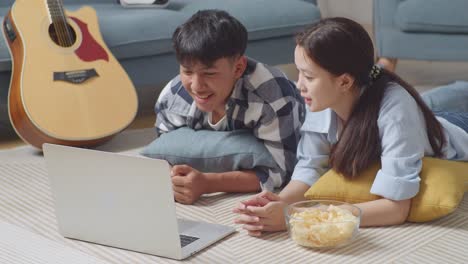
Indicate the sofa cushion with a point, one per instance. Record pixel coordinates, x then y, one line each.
441 189
143 32
264 18
6 3
136 32
433 16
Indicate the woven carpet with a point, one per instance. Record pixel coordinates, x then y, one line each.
26 203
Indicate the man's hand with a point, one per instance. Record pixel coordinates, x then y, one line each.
263 212
188 184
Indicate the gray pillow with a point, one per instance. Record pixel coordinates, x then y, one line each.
211 151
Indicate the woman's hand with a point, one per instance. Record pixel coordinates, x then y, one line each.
263 212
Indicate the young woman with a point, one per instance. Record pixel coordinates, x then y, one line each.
358 114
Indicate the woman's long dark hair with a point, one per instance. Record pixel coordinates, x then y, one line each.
340 45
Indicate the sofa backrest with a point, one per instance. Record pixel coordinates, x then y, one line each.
433 16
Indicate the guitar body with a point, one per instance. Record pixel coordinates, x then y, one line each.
76 95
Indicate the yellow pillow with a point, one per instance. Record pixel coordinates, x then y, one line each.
443 184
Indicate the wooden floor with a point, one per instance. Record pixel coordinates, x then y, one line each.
11 140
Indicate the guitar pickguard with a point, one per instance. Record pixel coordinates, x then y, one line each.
89 49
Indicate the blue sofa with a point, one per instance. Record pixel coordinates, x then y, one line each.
421 29
141 38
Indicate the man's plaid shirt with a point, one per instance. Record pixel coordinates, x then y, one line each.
263 101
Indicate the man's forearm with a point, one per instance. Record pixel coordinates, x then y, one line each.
232 181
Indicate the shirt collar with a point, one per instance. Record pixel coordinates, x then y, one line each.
318 121
324 122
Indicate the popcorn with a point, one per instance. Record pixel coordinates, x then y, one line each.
317 227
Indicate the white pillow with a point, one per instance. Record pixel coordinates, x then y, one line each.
144 3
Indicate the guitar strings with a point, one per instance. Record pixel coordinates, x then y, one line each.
60 23
55 22
68 33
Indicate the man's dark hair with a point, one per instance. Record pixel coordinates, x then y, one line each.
207 36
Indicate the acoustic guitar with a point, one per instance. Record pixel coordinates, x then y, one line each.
66 86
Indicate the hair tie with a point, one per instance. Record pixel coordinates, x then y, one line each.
375 72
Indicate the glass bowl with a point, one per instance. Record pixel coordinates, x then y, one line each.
322 223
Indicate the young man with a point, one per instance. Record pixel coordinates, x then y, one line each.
220 89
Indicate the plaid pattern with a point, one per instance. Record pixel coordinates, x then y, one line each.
263 101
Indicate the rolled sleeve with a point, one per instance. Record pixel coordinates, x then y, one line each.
398 179
305 173
404 142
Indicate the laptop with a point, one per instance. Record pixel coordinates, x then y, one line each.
122 201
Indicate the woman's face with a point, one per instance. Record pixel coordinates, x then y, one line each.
319 88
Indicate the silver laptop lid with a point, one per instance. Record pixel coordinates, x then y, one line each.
136 213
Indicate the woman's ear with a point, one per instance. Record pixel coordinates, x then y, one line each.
346 82
240 65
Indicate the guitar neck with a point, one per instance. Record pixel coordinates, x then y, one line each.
56 11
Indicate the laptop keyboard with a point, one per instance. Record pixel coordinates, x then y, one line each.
185 240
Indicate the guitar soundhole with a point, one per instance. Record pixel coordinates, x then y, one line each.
62 34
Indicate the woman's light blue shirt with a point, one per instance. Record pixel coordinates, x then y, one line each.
403 138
